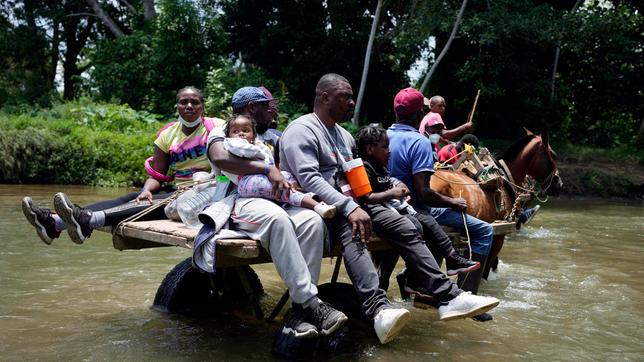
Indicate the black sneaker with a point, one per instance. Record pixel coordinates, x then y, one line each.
41 219
457 264
401 278
76 218
326 319
295 325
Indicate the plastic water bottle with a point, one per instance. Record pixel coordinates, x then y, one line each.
190 204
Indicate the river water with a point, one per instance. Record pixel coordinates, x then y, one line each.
571 285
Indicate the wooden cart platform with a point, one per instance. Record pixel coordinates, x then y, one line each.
232 252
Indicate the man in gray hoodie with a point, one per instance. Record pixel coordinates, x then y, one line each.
310 149
313 148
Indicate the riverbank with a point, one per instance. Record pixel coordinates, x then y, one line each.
82 143
601 176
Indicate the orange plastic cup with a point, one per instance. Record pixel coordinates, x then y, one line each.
357 177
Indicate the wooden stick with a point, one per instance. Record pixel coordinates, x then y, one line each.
469 119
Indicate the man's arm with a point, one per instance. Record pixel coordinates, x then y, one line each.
450 134
432 198
299 155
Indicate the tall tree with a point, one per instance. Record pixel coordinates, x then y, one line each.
557 53
148 9
457 23
298 43
76 33
25 74
174 49
105 18
367 61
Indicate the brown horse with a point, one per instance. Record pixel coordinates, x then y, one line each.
530 155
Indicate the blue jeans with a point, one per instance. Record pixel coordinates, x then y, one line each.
480 231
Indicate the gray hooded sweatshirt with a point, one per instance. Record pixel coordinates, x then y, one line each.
307 151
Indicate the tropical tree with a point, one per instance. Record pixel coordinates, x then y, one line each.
174 49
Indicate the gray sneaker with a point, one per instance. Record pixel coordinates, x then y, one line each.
76 218
295 324
327 319
41 219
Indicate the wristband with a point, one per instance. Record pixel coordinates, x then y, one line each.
156 174
267 169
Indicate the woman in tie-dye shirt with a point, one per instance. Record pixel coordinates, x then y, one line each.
180 151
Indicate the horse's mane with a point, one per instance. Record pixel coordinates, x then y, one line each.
513 150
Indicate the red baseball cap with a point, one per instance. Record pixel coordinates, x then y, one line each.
408 101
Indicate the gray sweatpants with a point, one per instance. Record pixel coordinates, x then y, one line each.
295 239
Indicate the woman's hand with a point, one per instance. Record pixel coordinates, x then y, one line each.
144 195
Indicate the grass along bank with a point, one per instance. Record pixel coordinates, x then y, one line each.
82 142
89 143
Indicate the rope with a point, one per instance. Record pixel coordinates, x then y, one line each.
467 233
180 190
476 183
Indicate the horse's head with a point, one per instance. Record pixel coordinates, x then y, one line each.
542 166
532 155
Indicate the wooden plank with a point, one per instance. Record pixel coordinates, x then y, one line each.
134 244
242 252
225 261
236 252
504 227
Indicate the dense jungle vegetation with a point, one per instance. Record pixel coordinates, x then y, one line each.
84 84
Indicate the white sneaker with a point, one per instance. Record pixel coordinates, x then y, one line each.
388 322
325 210
466 305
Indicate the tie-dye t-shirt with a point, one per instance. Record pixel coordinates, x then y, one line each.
188 153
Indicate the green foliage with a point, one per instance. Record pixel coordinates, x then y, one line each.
77 143
147 67
507 49
223 81
603 74
24 70
121 69
299 42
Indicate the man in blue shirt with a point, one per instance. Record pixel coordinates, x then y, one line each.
411 161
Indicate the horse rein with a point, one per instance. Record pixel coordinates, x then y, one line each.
551 176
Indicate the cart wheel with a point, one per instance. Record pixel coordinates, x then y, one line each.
186 290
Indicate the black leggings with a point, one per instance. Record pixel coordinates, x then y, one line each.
119 209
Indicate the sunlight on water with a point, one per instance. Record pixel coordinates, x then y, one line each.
571 287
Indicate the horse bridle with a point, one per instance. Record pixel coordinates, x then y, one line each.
551 176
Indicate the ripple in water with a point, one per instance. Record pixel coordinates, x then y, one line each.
539 233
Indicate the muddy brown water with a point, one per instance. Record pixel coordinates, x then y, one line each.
571 285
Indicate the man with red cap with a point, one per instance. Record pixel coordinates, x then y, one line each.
411 161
